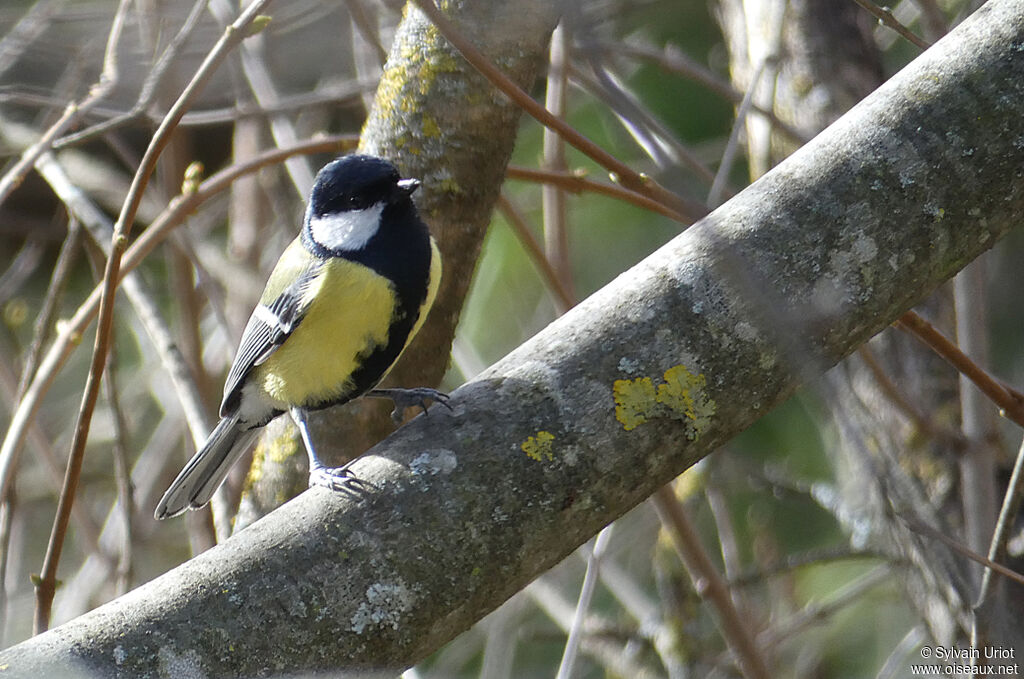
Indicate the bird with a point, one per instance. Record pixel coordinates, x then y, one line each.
343 302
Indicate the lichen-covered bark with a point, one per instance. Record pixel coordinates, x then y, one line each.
608 403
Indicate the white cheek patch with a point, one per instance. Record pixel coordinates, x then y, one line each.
346 230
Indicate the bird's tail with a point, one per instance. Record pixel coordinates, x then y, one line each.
207 469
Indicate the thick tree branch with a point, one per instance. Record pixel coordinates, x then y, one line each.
605 405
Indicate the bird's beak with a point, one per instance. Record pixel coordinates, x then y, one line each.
407 186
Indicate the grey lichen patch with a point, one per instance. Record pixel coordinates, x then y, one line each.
384 606
433 462
852 271
187 664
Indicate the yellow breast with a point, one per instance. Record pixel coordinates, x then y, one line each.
351 309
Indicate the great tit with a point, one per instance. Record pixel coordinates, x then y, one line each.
342 303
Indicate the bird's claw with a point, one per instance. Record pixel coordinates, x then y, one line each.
410 398
339 480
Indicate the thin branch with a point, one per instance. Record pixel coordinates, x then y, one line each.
757 575
150 86
1007 518
732 146
364 21
709 584
122 477
590 579
521 229
977 464
576 182
621 172
29 27
674 61
924 529
553 199
47 583
814 612
886 18
650 134
261 82
1008 400
328 93
74 112
549 599
922 421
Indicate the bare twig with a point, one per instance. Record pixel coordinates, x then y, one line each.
674 61
590 579
150 86
709 584
663 147
47 583
29 27
757 575
574 182
553 199
559 609
814 612
566 300
922 421
1008 400
122 476
621 172
364 21
257 74
1007 517
924 529
732 146
885 17
74 111
977 463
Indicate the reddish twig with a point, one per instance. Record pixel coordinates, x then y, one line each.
620 172
46 585
709 584
1009 401
925 529
576 183
566 300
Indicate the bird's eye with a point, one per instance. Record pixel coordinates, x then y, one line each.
356 203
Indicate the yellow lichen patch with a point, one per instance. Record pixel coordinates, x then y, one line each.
277 449
634 401
677 392
682 395
451 186
430 126
539 447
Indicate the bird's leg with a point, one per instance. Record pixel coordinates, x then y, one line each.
409 398
335 478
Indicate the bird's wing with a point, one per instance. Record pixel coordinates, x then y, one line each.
277 315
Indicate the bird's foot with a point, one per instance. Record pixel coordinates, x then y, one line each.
338 479
410 398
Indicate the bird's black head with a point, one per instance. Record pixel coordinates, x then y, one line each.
357 182
355 198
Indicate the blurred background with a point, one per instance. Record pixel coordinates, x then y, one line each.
795 515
